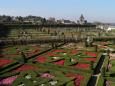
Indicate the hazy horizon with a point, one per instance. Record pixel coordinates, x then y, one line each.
93 10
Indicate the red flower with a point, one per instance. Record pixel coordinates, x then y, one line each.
25 68
74 52
91 54
61 62
83 66
59 51
4 62
41 59
90 59
78 78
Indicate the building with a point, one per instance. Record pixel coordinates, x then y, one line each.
82 20
111 28
67 22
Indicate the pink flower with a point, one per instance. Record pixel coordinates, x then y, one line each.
8 81
47 75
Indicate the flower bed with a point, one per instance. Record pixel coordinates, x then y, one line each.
25 68
8 81
4 62
61 62
41 59
32 52
78 78
59 51
90 59
74 52
82 66
91 54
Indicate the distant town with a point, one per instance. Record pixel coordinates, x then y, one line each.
37 20
40 20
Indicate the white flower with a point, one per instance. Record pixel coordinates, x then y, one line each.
28 77
42 85
64 53
78 55
55 58
72 60
53 83
34 81
21 85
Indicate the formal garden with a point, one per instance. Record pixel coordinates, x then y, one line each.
68 65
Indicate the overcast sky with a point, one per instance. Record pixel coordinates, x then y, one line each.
93 10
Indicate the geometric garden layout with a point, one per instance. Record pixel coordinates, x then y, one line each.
63 66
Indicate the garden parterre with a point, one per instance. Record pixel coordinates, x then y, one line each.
62 66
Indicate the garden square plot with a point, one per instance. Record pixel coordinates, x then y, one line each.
41 59
25 68
82 66
5 62
90 59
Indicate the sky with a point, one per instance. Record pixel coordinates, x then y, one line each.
93 10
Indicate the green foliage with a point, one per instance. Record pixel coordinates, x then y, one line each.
103 71
70 83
